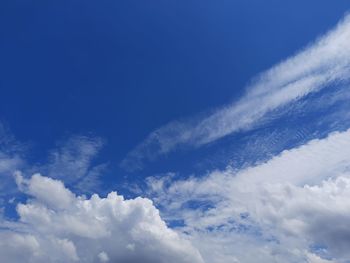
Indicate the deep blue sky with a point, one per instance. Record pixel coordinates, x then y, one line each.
226 115
120 69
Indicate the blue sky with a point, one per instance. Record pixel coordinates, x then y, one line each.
182 103
122 69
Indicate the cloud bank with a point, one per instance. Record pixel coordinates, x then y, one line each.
292 208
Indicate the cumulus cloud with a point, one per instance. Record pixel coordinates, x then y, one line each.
324 63
55 225
281 210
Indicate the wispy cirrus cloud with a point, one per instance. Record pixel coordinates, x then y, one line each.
72 158
73 161
11 158
324 63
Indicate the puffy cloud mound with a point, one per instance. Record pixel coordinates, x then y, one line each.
55 225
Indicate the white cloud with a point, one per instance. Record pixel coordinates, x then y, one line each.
47 191
275 211
323 63
56 226
312 258
103 257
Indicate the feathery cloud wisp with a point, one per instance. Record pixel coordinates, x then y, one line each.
325 62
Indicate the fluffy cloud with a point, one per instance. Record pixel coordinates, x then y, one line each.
55 225
318 214
283 210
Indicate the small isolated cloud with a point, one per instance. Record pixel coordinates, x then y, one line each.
55 225
325 62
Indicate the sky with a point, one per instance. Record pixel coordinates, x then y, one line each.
174 131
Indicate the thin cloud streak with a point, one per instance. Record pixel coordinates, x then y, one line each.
323 63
